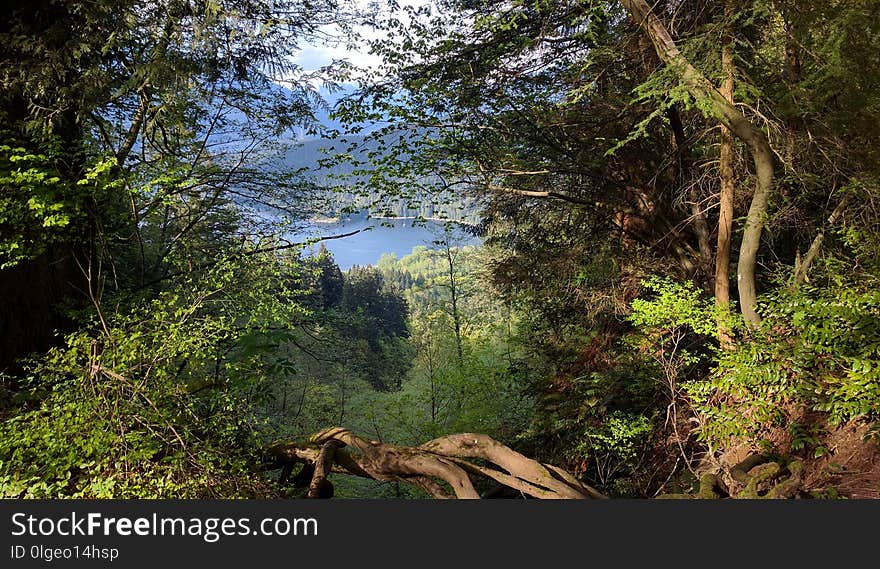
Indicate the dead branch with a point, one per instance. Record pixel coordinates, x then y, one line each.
323 464
443 467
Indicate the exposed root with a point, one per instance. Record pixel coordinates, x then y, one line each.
443 467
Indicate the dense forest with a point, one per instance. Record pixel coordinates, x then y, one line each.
677 293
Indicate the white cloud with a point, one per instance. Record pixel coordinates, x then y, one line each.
321 53
314 56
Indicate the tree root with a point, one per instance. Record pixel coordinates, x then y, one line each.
711 488
756 477
764 478
443 467
446 467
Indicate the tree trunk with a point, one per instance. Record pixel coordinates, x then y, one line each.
725 200
456 316
756 141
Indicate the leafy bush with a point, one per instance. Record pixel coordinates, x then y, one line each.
156 402
674 306
818 350
616 449
38 207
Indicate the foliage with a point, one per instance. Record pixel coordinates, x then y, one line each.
597 420
159 401
443 394
616 447
147 195
675 329
818 352
39 207
674 306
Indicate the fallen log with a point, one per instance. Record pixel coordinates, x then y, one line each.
444 467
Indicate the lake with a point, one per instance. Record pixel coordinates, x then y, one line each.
377 237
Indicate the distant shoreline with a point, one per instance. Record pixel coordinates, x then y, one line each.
332 220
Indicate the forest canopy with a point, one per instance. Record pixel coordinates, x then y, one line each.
676 291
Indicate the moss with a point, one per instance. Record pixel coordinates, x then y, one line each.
758 477
708 482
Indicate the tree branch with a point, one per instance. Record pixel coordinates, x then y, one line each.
800 273
215 262
443 460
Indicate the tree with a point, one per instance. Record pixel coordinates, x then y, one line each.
146 121
138 137
374 320
715 103
331 282
510 112
454 278
728 183
428 352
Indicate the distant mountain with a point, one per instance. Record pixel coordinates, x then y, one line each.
344 167
318 156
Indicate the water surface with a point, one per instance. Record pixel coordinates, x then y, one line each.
379 236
